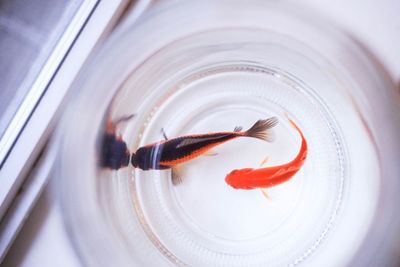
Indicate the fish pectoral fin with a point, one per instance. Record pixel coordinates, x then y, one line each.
265 194
176 175
264 162
210 153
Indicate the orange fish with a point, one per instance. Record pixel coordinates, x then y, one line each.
169 153
249 178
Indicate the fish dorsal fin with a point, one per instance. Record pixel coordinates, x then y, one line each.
198 139
193 140
238 129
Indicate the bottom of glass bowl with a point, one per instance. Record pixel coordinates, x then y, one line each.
205 221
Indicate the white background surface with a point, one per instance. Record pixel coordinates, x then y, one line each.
43 240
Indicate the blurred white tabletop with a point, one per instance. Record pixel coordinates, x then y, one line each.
43 240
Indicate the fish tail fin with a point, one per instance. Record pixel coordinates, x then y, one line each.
261 129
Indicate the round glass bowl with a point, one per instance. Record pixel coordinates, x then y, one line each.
193 68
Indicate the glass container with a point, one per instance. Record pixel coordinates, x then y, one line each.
199 67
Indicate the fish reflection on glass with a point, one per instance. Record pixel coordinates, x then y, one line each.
249 178
169 153
114 153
